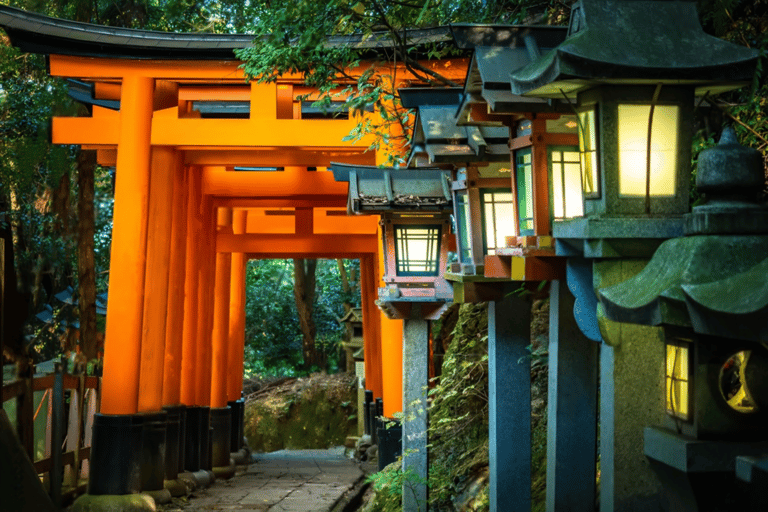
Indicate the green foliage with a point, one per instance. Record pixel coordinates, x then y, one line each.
302 37
272 336
458 431
742 22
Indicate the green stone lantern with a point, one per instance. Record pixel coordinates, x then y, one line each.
709 292
632 79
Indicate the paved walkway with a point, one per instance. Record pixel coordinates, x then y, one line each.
284 481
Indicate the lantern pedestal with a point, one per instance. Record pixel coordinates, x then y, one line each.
572 408
509 404
699 475
415 386
614 237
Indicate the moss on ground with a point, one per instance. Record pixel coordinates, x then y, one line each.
314 412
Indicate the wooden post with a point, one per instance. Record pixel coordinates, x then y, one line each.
175 320
25 415
156 281
237 313
126 287
205 302
189 363
220 334
372 345
57 427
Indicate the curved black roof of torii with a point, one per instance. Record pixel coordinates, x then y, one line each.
36 33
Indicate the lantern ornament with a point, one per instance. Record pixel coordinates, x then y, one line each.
633 93
414 206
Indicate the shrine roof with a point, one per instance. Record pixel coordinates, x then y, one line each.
37 33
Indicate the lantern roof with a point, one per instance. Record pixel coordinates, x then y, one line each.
500 50
415 97
437 139
388 189
36 33
636 42
713 280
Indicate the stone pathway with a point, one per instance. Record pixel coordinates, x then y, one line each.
284 481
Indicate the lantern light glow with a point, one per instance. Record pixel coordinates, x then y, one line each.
588 151
677 380
498 218
566 184
417 250
633 141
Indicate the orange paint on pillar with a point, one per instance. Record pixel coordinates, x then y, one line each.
220 331
391 336
189 364
236 353
205 301
156 280
174 339
122 354
371 344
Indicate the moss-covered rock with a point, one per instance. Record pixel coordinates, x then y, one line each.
314 412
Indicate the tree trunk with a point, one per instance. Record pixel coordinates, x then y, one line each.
304 294
86 268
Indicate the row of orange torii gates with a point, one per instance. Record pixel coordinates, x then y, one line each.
188 214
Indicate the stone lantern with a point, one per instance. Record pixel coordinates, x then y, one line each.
708 291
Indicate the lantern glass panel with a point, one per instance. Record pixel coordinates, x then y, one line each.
498 218
463 228
633 144
588 151
677 380
417 250
524 181
564 163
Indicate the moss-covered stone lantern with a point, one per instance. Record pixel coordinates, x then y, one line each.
709 292
631 78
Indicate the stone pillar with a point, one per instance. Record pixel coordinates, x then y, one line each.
509 404
631 387
415 382
572 408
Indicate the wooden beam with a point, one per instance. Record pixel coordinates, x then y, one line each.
208 133
293 181
297 246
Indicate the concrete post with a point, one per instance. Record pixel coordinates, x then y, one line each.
415 382
509 401
572 408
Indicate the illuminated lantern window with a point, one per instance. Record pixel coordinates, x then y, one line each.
677 379
633 149
565 165
417 250
588 154
463 227
524 182
498 218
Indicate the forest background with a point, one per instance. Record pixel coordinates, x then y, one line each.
56 203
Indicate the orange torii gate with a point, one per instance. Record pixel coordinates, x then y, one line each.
210 171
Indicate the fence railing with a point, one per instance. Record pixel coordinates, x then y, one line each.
54 418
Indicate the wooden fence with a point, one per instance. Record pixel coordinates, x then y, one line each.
70 402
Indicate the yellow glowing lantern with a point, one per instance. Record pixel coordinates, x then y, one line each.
635 177
677 379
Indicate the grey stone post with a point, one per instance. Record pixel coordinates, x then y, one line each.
415 382
632 364
572 408
509 397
